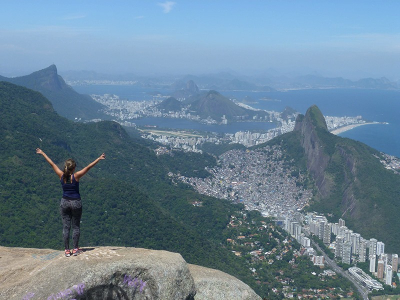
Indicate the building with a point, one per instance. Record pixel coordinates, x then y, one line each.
339 246
296 230
389 275
327 234
365 279
372 246
346 257
355 240
372 263
318 260
321 230
342 222
342 230
362 250
381 268
305 242
380 248
395 263
335 228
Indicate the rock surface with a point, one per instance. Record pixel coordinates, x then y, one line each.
214 284
111 273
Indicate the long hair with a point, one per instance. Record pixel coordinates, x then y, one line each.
68 169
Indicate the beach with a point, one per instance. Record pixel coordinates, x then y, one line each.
349 127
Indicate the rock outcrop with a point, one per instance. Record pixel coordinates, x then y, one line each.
214 284
309 127
111 273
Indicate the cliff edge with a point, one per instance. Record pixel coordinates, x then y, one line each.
111 273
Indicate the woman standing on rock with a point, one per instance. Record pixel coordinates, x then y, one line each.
71 205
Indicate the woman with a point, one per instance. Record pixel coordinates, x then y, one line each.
71 205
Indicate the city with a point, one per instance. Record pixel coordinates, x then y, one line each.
125 112
261 181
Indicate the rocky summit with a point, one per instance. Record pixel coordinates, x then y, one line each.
111 273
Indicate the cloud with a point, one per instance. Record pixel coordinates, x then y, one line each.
167 6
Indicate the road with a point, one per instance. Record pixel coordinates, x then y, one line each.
361 290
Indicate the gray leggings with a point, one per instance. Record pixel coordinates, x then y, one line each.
71 212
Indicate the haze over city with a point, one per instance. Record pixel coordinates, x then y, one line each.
352 39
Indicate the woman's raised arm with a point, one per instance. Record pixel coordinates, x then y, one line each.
82 172
52 164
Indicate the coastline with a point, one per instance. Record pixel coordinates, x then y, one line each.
349 127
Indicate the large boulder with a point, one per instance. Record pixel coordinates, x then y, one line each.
98 273
111 273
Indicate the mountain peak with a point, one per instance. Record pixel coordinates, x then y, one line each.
314 117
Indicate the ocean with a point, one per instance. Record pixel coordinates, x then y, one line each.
372 105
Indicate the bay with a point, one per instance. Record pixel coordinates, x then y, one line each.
372 105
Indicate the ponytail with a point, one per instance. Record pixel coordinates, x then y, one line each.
68 169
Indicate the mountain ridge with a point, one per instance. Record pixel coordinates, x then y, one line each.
66 101
351 182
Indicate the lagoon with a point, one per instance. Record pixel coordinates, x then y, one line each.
373 105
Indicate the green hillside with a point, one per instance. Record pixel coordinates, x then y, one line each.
128 198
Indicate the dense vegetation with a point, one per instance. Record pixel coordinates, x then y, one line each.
189 164
220 148
128 198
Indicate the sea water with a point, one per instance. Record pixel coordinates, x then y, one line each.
372 105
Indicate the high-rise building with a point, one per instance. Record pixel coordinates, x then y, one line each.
389 275
380 248
384 257
381 268
339 246
296 230
395 262
327 234
372 263
335 228
347 235
293 227
372 246
355 240
342 222
362 250
314 228
305 242
287 224
342 230
346 257
321 230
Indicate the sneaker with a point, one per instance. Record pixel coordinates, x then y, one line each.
67 253
77 251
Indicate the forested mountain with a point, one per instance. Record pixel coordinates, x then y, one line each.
350 180
128 198
213 104
66 101
170 104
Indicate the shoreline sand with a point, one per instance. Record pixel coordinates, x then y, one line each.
349 127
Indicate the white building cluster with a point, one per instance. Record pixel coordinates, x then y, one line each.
348 246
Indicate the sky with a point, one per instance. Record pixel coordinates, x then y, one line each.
351 39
